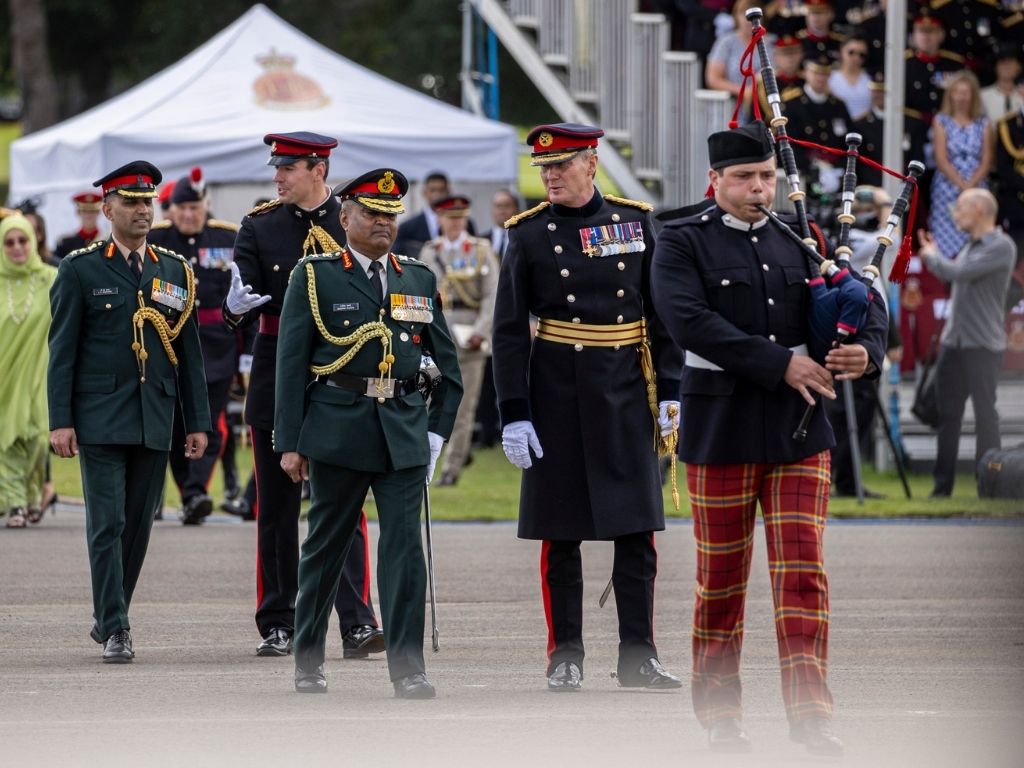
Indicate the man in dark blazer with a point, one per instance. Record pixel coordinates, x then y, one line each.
208 245
273 237
733 292
360 320
582 397
423 227
124 350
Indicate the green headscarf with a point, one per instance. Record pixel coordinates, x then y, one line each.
24 325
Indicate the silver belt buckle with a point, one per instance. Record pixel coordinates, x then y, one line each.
377 388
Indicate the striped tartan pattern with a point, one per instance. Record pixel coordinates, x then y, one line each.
794 501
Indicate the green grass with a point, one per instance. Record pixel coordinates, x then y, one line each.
489 491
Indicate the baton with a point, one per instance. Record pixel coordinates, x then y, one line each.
434 635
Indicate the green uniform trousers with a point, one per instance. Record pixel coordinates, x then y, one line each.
124 485
337 495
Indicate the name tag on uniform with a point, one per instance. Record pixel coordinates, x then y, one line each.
412 309
350 307
613 239
168 294
216 258
104 291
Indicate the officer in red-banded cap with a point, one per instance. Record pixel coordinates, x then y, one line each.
87 206
303 219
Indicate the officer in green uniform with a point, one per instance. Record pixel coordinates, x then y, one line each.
124 349
359 321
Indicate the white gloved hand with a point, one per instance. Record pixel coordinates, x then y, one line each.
436 441
724 24
517 439
665 422
240 297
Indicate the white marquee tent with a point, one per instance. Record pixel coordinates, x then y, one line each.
260 75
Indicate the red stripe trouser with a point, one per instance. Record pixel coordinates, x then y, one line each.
794 501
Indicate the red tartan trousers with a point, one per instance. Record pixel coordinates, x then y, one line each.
794 500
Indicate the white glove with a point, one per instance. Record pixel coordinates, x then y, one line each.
240 297
245 363
436 441
517 439
724 24
665 422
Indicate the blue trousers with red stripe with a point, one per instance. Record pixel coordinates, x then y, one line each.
633 573
794 501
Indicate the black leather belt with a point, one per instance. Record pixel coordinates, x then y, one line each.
369 387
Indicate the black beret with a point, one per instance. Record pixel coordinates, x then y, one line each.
750 143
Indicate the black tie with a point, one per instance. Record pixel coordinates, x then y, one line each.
375 281
136 263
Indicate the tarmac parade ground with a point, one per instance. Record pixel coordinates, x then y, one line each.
927 659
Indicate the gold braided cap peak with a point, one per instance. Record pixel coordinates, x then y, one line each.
221 224
643 206
93 246
264 207
526 214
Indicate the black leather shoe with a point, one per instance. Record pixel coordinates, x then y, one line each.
277 643
362 640
567 676
414 687
310 682
816 734
118 648
238 508
652 676
728 736
196 509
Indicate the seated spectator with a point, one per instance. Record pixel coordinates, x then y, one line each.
700 23
849 82
722 72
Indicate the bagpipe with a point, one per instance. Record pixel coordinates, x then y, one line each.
840 297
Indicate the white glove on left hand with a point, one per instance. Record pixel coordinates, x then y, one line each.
665 423
436 441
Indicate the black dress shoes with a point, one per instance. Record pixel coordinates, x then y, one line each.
197 509
277 643
414 687
652 676
816 734
118 648
567 676
362 640
310 682
728 736
238 508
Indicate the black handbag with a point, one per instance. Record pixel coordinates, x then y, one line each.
926 399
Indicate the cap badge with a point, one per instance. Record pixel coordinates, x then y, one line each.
545 139
387 183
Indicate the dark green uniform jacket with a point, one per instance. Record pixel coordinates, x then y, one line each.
342 427
94 378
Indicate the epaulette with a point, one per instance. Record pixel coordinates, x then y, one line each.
221 224
264 207
94 246
698 218
835 36
678 214
526 214
952 56
791 93
315 257
1011 20
411 260
168 252
163 224
646 207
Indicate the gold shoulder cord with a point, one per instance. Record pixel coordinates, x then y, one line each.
357 339
458 284
1008 145
663 446
163 329
319 236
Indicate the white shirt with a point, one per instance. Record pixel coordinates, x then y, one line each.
499 239
856 96
997 104
365 262
432 224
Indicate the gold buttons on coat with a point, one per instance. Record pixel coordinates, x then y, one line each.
615 217
570 298
380 400
564 273
108 306
277 267
346 323
578 347
764 267
620 293
725 281
576 320
558 249
551 226
753 239
618 319
771 302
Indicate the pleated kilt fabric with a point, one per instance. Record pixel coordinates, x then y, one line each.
794 501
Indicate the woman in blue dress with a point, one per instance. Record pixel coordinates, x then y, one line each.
963 143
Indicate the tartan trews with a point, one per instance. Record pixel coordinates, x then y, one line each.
794 500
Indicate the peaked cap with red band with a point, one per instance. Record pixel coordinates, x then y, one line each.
453 205
559 142
136 179
289 148
87 201
925 19
379 190
787 41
